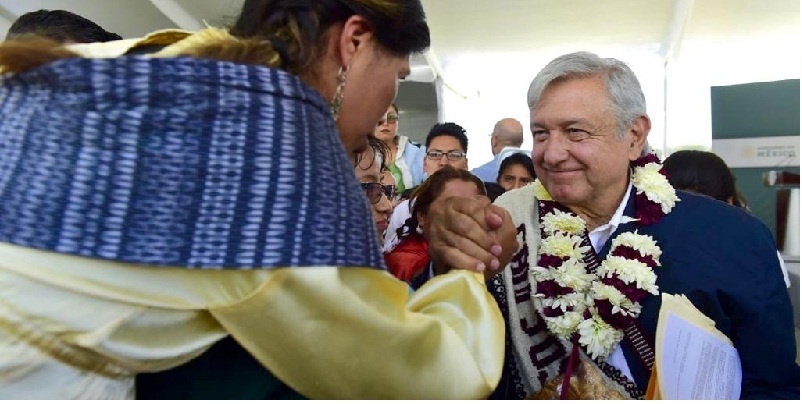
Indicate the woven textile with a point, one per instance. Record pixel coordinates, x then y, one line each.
178 162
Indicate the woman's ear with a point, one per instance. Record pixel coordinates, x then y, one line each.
355 33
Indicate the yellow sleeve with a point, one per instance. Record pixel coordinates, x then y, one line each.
357 333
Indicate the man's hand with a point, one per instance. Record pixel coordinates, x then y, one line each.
473 234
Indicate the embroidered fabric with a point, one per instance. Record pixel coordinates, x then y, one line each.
178 162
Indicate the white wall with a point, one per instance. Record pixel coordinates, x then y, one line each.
484 88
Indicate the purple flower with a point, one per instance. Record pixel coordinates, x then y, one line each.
550 312
617 320
648 212
649 158
551 288
631 291
550 261
633 254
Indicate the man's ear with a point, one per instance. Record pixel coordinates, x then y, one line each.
354 35
638 132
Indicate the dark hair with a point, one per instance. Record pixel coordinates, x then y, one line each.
701 172
295 30
430 189
448 129
60 26
516 159
379 149
494 190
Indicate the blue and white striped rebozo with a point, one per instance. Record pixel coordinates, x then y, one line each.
178 162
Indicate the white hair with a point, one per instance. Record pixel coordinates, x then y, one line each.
628 102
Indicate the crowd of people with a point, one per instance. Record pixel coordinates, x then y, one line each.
235 213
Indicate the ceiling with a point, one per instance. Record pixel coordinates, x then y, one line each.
478 37
464 27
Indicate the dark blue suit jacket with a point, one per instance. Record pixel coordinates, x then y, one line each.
725 261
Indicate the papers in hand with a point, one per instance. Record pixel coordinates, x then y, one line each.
693 359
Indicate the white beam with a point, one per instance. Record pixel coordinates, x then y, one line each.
669 50
437 69
680 16
7 16
6 19
178 14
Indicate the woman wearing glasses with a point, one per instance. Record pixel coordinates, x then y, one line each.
405 161
369 168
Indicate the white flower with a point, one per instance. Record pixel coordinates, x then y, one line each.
599 337
575 301
620 303
564 326
541 193
648 180
561 245
572 274
642 243
608 292
542 274
629 271
564 222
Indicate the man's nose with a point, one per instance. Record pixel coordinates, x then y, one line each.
555 149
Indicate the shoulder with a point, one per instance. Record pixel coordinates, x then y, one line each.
405 141
484 166
699 210
520 203
713 237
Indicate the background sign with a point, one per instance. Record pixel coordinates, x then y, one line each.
773 151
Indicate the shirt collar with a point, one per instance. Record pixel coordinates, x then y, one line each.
600 235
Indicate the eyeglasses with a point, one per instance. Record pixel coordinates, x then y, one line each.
452 155
389 118
374 191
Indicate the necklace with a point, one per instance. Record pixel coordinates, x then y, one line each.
592 306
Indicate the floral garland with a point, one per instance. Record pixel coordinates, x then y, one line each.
595 307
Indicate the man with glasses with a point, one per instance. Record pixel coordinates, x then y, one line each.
446 145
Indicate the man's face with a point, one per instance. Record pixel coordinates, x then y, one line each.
444 144
578 155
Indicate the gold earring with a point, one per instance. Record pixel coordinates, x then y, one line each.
337 102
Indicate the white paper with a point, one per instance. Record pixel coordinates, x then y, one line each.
697 365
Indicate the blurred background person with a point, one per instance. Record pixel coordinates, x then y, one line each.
705 173
508 133
60 26
446 145
516 171
409 260
369 169
405 160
